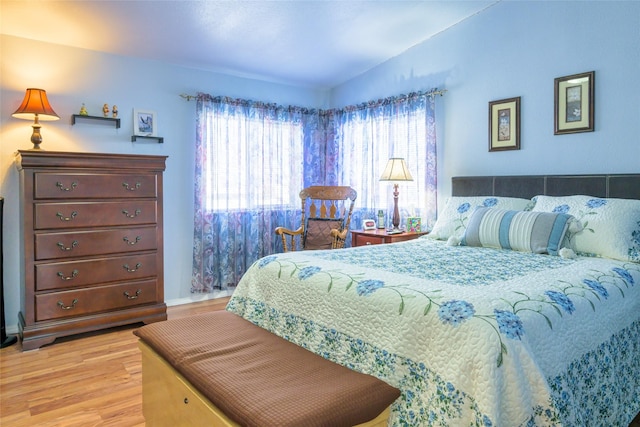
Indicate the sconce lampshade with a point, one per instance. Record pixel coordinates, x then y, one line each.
35 106
396 170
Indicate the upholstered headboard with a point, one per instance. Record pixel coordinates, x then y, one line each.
621 186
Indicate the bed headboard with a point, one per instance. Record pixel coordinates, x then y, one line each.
621 186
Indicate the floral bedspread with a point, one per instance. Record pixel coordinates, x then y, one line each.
471 336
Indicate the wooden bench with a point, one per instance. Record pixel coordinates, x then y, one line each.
218 369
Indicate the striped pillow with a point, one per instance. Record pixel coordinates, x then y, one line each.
536 232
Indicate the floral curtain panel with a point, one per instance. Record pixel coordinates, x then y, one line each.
253 158
242 189
367 135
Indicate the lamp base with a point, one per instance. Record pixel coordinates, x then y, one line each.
396 213
36 137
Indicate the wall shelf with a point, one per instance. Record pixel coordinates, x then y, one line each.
158 138
114 120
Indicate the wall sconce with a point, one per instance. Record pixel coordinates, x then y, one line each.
35 106
396 170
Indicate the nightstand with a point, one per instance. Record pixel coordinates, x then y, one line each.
380 236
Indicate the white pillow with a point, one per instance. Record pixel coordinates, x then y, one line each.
453 219
610 227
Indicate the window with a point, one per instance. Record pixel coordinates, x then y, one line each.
255 163
372 140
252 159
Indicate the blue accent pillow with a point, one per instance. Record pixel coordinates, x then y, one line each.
452 220
536 232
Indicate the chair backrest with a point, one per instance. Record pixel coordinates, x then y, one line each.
325 219
325 208
319 201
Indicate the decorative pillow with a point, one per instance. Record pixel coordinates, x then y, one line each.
610 227
452 221
317 233
536 232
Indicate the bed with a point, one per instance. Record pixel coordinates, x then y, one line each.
476 330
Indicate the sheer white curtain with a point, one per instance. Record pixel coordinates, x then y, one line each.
248 176
370 134
252 160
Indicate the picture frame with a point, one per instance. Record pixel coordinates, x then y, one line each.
574 103
504 124
414 224
145 123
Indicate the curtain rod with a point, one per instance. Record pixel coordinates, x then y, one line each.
434 92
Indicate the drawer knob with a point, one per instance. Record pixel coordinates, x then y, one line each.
132 270
126 239
129 296
135 214
130 188
66 218
63 248
74 274
63 188
68 307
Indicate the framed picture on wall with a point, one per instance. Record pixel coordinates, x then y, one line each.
574 103
504 124
144 123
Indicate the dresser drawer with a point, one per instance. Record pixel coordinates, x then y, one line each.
369 240
97 186
73 274
91 214
94 242
78 302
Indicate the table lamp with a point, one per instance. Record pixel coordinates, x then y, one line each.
35 106
396 170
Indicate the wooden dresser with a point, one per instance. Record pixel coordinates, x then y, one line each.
91 242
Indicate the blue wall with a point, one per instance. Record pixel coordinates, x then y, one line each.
517 49
514 48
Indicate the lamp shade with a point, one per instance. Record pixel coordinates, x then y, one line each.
35 102
396 170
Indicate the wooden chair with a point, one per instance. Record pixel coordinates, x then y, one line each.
326 215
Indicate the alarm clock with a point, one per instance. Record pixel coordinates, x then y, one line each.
369 224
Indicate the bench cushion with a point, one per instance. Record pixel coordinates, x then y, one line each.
259 379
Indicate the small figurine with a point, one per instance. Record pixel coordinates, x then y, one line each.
105 110
83 110
114 111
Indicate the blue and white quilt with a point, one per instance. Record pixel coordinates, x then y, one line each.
471 336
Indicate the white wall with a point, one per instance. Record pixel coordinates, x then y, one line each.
75 76
517 49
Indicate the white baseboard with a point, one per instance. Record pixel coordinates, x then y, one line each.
13 329
198 298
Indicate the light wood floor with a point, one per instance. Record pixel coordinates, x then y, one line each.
88 380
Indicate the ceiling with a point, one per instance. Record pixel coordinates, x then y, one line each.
318 44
